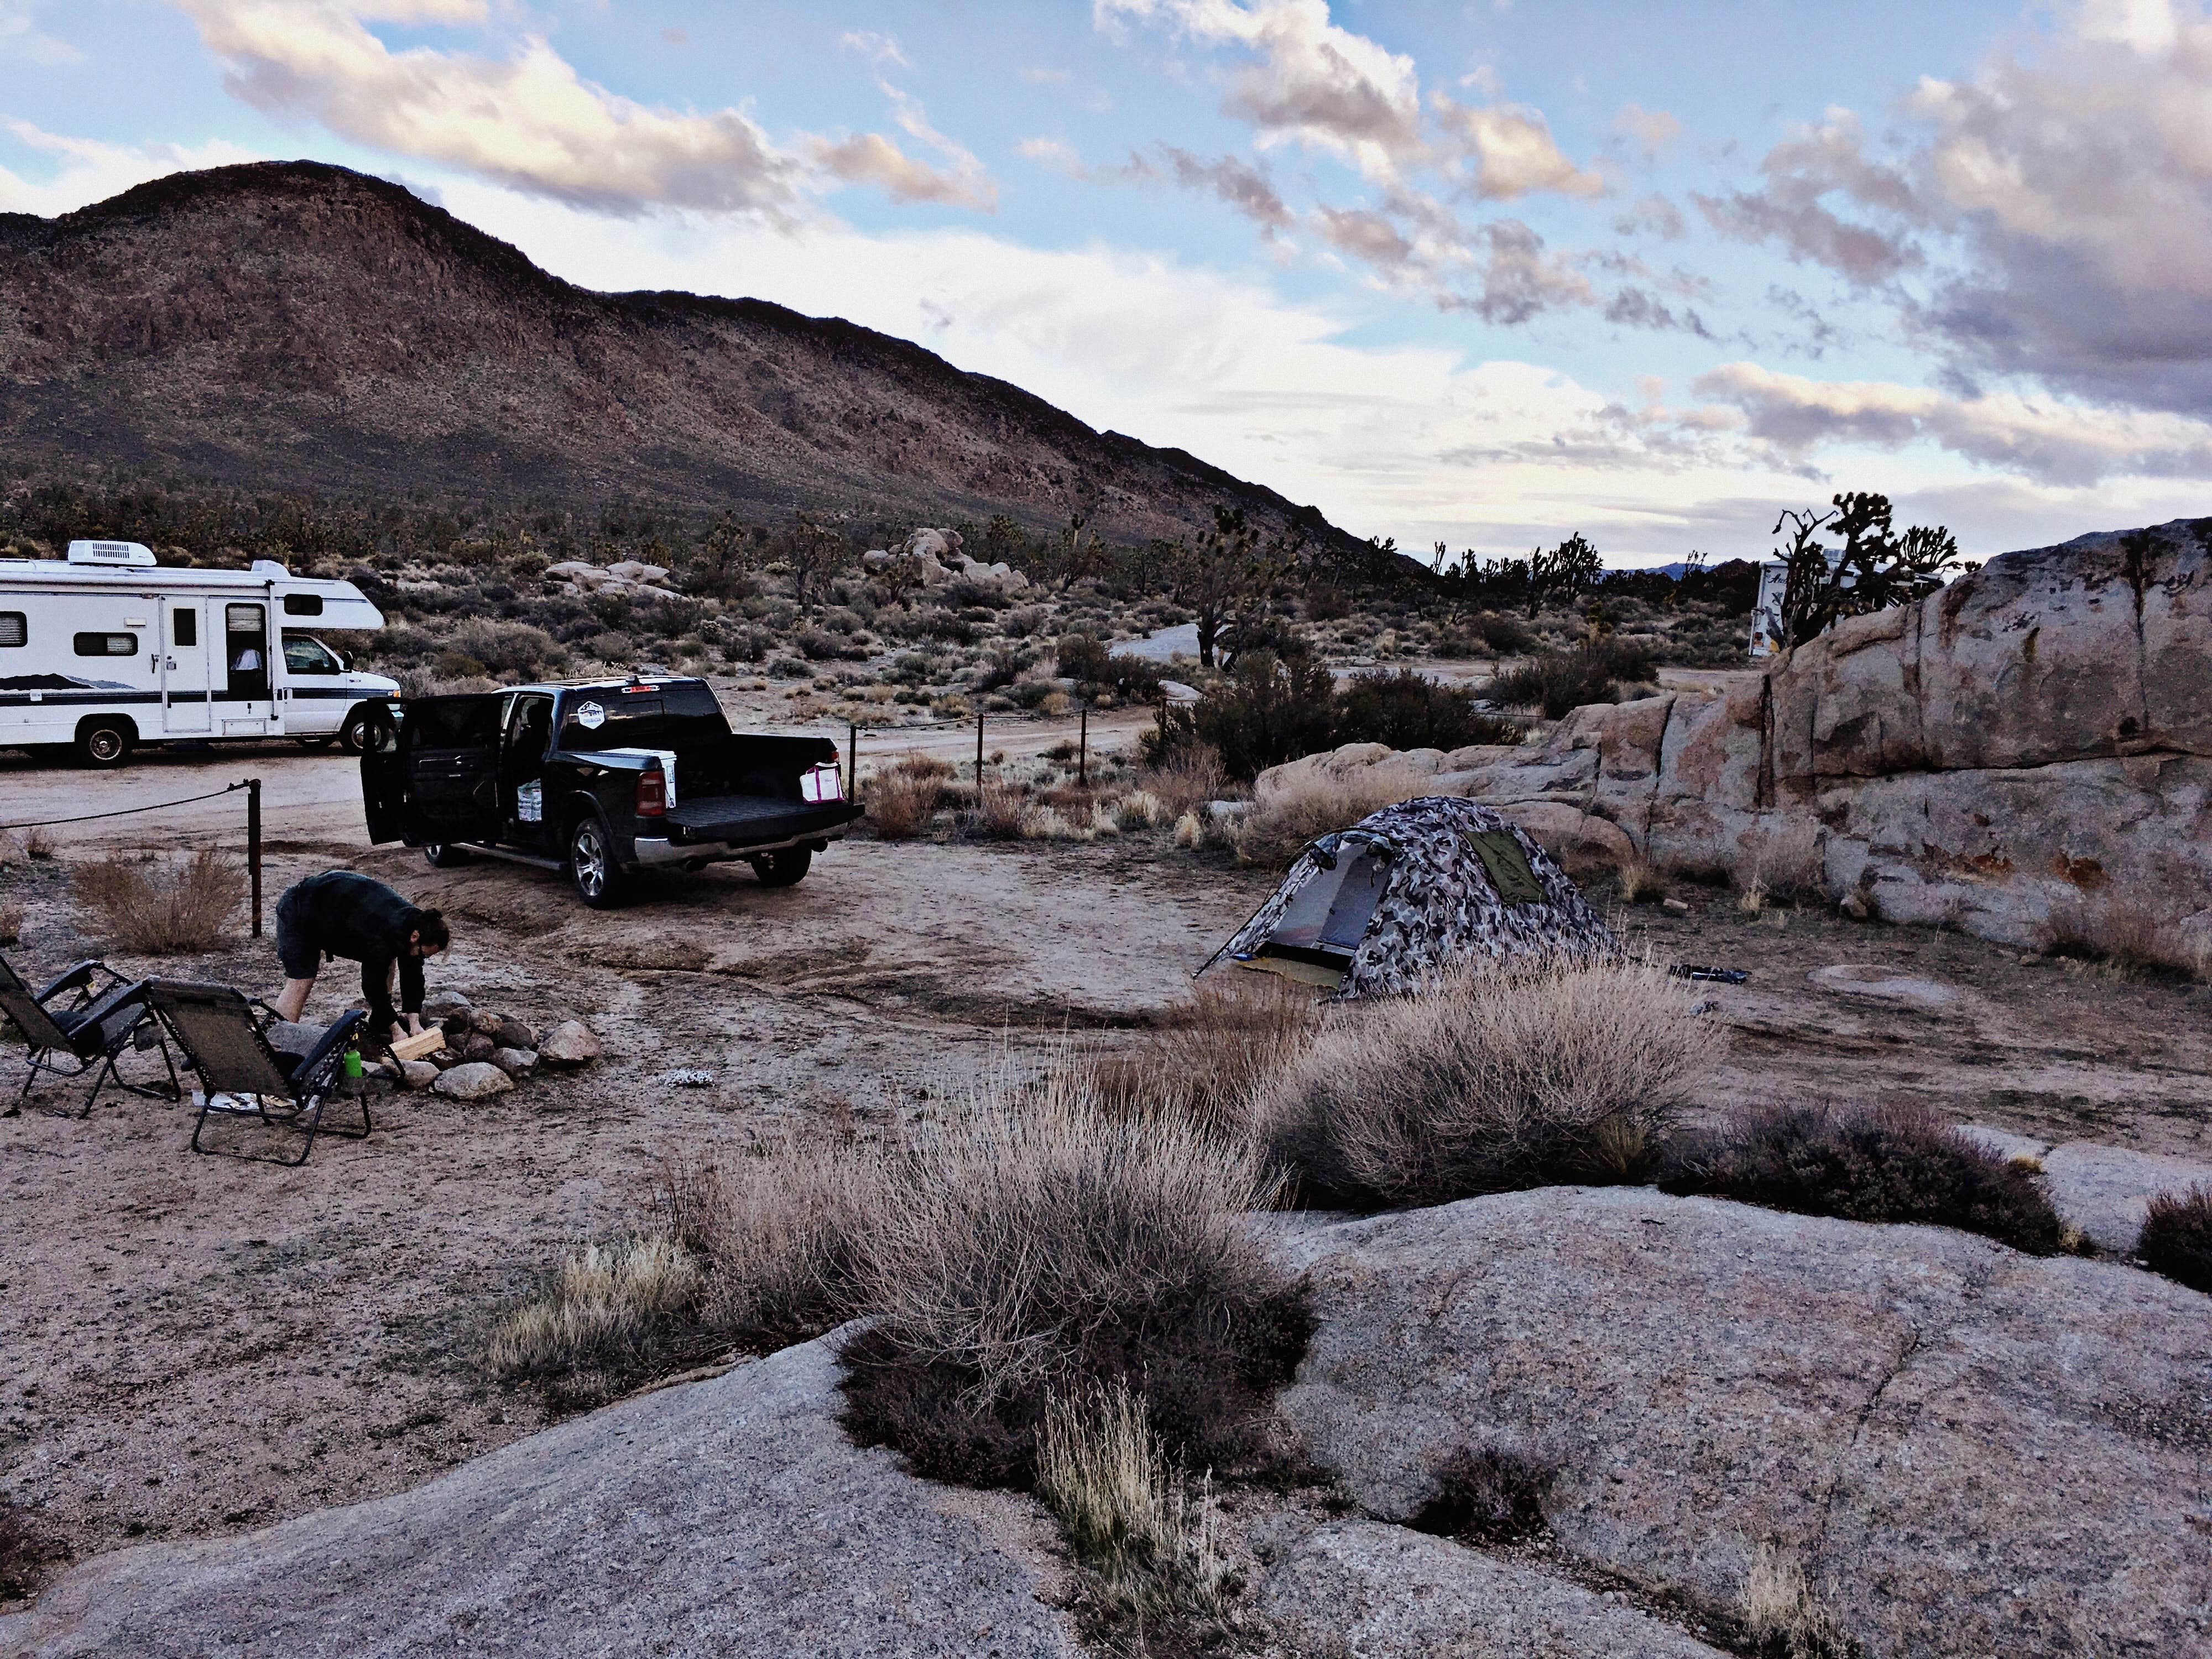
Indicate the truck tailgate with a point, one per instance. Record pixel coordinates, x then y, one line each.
754 820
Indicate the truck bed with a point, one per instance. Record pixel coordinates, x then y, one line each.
753 820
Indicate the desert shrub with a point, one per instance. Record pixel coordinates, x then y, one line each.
999 809
11 922
901 800
1892 1163
1081 657
1408 710
789 668
1560 681
23 1552
1270 710
2122 941
1785 865
1326 602
1104 1472
1490 1492
1502 633
157 910
38 843
776 1235
2177 1237
612 1312
1495 1080
1041 1247
516 650
1639 883
819 645
1187 781
1209 1056
1286 818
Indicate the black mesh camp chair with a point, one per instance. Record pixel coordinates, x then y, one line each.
241 1076
83 1021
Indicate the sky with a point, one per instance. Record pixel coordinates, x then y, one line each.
1485 273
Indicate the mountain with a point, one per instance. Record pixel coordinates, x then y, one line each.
291 325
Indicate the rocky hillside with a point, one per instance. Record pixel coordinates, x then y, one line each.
298 326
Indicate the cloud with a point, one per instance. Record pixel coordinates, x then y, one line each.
1512 152
2047 440
1046 77
91 171
529 121
1816 163
1654 215
1653 131
20 37
876 48
1238 184
1054 153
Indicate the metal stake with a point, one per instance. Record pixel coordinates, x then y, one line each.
979 749
852 762
1083 751
253 846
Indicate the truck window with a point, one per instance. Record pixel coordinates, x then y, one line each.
455 722
107 644
13 628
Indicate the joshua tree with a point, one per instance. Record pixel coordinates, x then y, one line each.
1225 577
1874 569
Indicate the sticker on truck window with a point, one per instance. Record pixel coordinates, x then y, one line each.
530 802
591 717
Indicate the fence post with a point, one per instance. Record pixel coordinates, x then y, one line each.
253 846
979 749
852 762
1083 750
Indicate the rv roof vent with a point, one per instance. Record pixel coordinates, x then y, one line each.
269 568
126 553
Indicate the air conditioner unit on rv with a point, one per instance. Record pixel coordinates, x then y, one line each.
123 553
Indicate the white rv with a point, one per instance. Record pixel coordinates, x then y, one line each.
105 650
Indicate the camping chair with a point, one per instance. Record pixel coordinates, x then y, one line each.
89 1033
241 1076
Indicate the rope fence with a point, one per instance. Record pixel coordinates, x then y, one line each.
125 812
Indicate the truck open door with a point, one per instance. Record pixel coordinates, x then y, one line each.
384 774
450 750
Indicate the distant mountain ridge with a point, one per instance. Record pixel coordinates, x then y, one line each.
293 326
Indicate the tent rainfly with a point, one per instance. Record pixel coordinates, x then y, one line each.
1410 892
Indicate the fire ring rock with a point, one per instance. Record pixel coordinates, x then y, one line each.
571 1042
475 1080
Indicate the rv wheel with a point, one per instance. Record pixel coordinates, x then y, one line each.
104 741
353 736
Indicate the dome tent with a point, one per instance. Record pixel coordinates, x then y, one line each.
1411 891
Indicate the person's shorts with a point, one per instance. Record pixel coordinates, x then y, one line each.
301 957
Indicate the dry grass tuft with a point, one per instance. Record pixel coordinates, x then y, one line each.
2177 1237
1040 1246
1784 865
1105 1475
1194 777
11 922
605 1317
999 809
154 910
40 843
1783 1616
1893 1163
1207 1057
902 799
2121 941
1490 1492
1283 821
1494 1081
1639 882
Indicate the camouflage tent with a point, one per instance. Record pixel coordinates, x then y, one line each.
1411 891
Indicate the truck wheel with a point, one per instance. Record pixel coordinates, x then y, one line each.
104 741
353 736
783 869
592 869
444 855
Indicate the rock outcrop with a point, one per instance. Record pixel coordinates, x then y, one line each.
2029 749
1967 1450
729 1517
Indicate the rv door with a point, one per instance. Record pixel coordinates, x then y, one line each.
185 689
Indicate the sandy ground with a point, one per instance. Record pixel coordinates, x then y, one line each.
198 1345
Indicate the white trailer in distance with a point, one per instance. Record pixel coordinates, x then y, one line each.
104 651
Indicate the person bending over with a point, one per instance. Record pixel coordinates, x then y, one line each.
342 914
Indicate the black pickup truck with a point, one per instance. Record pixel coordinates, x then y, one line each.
599 779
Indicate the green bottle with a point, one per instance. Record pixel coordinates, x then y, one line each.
352 1061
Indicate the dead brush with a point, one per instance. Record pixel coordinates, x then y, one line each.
2121 941
2177 1237
1784 1617
607 1317
1639 882
1207 1057
1187 783
902 799
11 922
1036 1246
1000 810
39 844
154 910
1495 1080
1283 822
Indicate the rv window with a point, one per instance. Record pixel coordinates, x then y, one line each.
107 644
186 625
303 605
13 629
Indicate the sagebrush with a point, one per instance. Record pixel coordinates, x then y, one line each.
2177 1237
1209 1056
172 908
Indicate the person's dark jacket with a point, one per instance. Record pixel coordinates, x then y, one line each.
350 915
